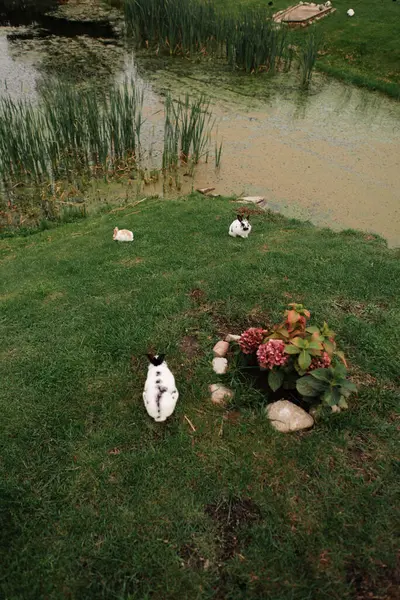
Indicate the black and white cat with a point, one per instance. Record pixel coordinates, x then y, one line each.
160 394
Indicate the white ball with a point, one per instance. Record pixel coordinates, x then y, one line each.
350 12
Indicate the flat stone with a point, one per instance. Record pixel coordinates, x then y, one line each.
302 13
252 199
232 338
220 394
286 416
220 365
221 348
205 191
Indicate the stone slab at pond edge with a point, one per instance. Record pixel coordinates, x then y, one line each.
286 416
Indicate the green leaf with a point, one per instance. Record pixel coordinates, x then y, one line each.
292 349
345 393
304 387
283 332
343 403
317 384
341 355
312 329
299 342
340 370
327 398
314 352
301 372
304 360
321 374
349 385
326 331
335 395
315 345
329 347
275 379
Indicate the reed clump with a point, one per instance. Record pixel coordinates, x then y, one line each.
76 134
72 131
308 55
249 39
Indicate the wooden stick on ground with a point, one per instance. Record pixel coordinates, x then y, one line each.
193 428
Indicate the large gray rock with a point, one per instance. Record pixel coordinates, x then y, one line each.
286 416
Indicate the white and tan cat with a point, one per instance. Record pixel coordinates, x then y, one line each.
122 235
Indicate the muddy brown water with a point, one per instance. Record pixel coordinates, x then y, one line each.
331 155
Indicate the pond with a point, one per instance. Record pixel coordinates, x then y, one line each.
330 155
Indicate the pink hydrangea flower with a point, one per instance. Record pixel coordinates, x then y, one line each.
320 362
251 339
272 354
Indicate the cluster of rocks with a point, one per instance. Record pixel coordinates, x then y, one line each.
221 394
283 415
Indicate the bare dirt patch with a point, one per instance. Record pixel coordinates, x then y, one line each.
131 262
197 295
256 317
230 517
362 379
384 586
192 559
361 310
190 346
245 211
52 297
361 456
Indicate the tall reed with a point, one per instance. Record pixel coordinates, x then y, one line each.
308 54
217 155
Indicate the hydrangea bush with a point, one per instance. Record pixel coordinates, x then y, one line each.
302 357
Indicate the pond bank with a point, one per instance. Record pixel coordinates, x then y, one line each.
330 155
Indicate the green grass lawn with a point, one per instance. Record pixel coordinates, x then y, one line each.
98 501
364 49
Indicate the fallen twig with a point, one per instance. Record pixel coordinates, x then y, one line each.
131 204
193 428
135 212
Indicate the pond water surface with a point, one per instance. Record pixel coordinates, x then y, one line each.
331 155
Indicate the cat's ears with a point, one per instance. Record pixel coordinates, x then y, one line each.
157 359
